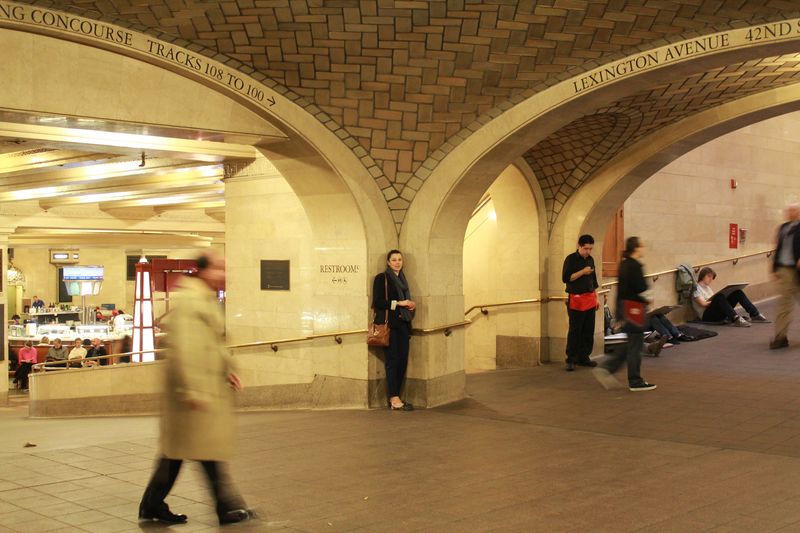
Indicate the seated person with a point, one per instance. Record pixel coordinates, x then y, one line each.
27 358
15 320
126 347
663 327
13 360
78 353
712 307
98 349
44 342
57 352
650 347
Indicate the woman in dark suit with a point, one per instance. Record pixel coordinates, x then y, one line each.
390 292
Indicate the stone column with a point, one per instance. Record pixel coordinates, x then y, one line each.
436 362
4 233
320 234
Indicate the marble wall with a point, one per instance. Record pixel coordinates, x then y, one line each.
683 212
99 391
266 220
501 264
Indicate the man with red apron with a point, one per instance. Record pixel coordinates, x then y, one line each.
581 280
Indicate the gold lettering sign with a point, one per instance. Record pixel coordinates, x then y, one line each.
19 15
683 50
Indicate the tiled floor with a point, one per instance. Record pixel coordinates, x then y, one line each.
715 448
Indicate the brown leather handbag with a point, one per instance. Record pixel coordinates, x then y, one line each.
378 334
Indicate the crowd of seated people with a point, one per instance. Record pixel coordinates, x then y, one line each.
22 360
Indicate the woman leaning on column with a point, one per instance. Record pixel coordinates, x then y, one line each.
390 292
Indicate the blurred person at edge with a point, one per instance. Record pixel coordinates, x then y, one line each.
631 288
197 420
786 271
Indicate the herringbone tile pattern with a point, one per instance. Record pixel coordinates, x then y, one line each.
408 80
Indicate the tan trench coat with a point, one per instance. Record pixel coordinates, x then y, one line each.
197 368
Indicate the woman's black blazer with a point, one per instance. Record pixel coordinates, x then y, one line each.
380 304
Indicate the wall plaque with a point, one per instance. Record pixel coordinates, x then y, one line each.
274 275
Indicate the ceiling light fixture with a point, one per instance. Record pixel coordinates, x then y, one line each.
14 275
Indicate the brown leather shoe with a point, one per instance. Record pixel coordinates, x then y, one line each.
236 515
654 348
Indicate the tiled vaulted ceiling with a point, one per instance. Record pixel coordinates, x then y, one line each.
570 156
408 79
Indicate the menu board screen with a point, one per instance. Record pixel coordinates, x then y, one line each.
83 273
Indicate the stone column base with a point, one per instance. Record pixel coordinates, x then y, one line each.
517 352
325 392
4 384
437 391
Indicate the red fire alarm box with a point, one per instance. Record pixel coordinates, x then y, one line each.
733 236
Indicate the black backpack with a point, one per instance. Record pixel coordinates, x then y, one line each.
685 283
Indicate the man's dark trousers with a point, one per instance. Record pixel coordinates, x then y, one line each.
580 338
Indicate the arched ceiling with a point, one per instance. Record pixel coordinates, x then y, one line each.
409 80
571 155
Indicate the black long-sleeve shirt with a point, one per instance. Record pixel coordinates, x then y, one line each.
631 282
380 287
573 263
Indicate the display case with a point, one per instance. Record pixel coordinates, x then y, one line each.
63 317
16 330
91 331
54 330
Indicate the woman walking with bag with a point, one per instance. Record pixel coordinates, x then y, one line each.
632 307
391 299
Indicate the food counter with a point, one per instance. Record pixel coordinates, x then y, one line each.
61 317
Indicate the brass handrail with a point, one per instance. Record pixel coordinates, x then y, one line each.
483 307
337 336
735 260
447 328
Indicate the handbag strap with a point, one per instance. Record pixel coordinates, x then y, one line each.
386 294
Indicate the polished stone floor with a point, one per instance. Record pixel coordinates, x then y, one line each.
715 448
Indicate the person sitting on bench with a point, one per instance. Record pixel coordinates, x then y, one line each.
717 307
27 358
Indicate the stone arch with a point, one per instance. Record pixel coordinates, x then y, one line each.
592 206
504 249
436 217
299 119
344 207
567 158
409 101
